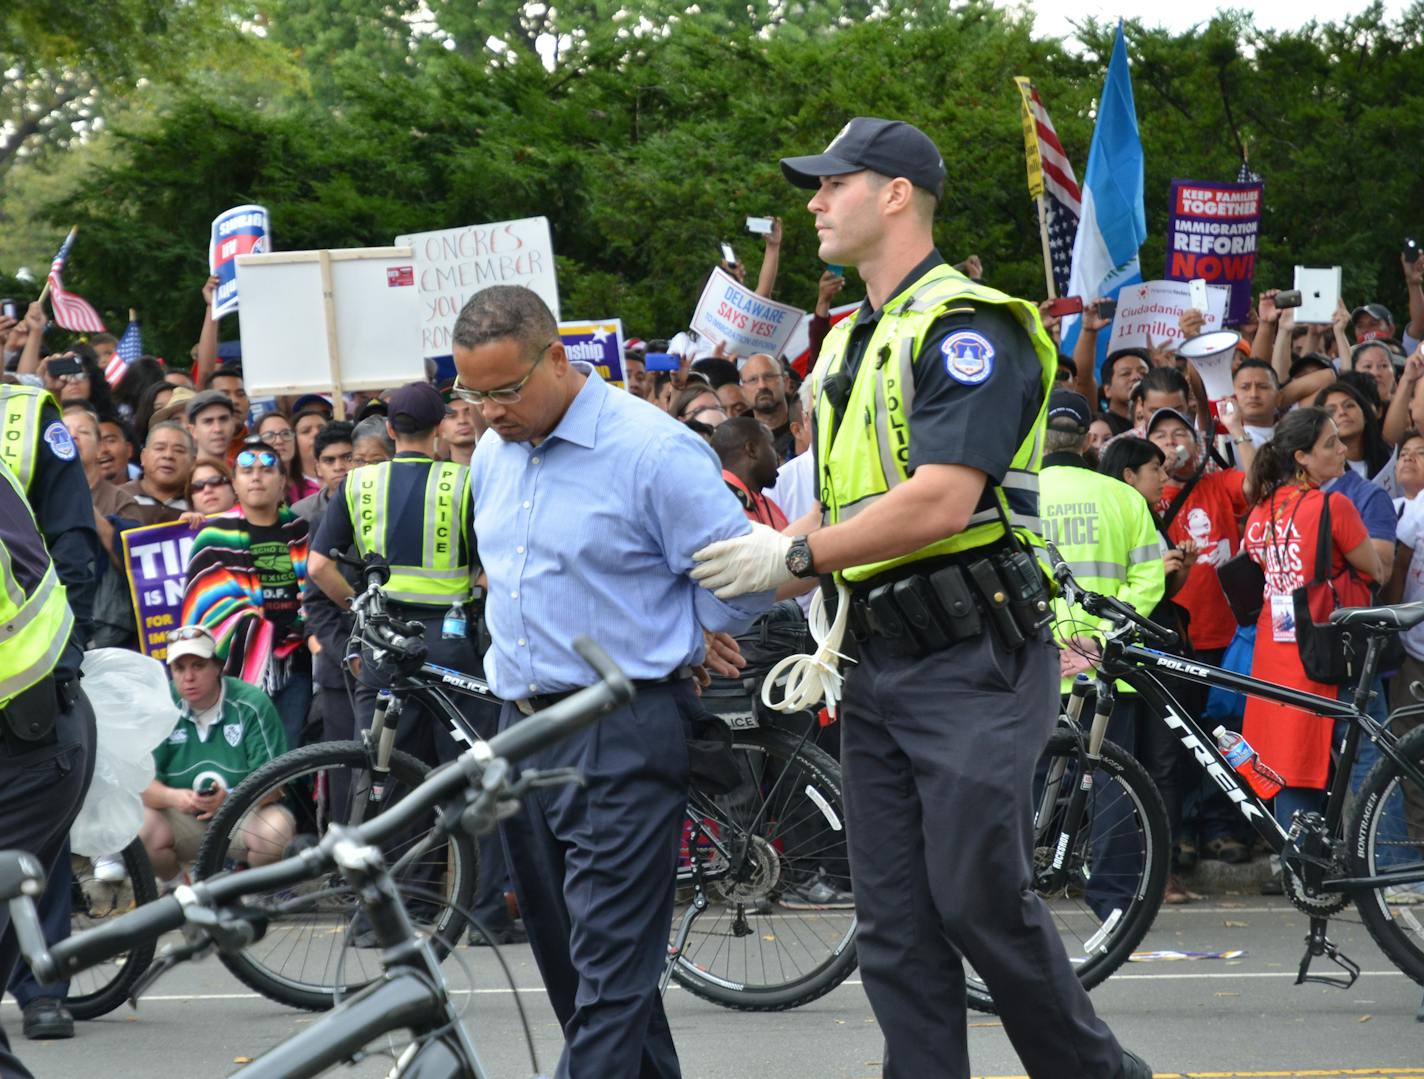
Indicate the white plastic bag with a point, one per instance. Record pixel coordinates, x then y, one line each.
135 712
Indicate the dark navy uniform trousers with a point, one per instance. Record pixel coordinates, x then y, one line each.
938 756
40 795
595 870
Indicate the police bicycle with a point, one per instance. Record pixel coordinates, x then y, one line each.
94 900
409 993
1099 829
770 819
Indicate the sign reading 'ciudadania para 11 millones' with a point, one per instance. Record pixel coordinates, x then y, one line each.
1212 233
599 343
243 230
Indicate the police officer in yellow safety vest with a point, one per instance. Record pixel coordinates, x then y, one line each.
46 736
1104 531
415 512
42 458
929 414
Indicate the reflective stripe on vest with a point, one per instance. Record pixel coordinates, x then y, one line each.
870 452
20 408
440 578
34 628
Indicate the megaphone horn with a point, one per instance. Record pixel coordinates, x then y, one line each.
1210 354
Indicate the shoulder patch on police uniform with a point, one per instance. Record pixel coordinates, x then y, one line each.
968 357
57 436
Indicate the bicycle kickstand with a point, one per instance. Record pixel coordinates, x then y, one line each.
696 907
1318 944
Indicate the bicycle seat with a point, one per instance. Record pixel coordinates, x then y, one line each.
1388 619
20 874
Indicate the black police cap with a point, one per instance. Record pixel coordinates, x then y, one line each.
889 147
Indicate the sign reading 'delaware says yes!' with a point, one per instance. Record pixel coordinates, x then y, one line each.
742 321
451 265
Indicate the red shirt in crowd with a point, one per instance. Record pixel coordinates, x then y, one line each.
756 505
1209 518
1281 536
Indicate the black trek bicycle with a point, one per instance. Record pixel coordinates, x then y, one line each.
772 823
1102 839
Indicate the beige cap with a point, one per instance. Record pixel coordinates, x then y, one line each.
191 641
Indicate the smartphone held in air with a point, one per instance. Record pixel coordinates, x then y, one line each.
838 271
1105 308
1289 297
64 365
760 226
1411 249
10 309
728 255
1065 305
1196 288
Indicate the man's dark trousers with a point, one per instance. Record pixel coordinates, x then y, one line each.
426 738
40 795
594 868
938 756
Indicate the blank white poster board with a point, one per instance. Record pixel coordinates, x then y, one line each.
329 321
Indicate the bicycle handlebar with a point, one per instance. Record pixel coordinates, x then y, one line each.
151 920
1110 607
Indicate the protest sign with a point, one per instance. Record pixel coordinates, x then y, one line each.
156 562
329 321
599 343
1211 234
243 230
1152 309
744 322
453 264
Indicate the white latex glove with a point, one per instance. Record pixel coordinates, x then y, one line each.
755 562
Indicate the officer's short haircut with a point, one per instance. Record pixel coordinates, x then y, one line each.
1165 380
174 425
732 436
335 432
924 201
504 312
794 408
1064 440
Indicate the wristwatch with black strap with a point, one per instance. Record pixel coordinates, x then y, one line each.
798 558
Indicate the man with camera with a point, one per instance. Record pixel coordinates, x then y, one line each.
929 520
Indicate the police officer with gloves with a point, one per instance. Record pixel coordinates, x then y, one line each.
930 403
415 512
46 723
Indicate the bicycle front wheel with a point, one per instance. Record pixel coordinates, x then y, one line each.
1387 830
1117 868
99 990
768 850
315 949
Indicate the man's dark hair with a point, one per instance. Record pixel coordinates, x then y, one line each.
1108 364
334 432
732 436
103 339
663 378
1366 384
406 427
718 372
1165 380
502 312
1247 365
224 370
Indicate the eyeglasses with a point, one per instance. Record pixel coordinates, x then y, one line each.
190 633
507 395
273 437
248 458
358 461
770 378
213 482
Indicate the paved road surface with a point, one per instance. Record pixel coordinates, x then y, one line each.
1239 1018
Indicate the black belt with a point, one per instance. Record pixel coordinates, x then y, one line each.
537 703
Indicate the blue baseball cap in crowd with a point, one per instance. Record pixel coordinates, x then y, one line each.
889 147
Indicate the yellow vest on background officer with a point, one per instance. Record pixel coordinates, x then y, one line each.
930 403
1102 528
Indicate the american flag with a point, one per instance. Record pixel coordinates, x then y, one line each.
1244 175
70 310
1062 199
130 348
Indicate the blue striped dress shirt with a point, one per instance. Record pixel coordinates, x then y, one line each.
592 532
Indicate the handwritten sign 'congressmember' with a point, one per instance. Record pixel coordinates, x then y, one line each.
741 320
451 265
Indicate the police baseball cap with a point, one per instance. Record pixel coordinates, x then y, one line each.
1069 411
419 402
889 147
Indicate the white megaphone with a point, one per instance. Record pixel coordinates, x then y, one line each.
1210 354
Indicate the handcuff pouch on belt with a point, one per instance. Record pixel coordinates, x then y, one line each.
28 721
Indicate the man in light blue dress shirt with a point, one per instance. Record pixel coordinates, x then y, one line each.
588 505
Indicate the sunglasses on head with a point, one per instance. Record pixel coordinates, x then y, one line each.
190 633
248 458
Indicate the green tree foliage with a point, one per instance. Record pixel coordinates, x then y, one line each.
647 133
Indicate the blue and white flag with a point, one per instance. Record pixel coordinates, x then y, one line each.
1113 223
